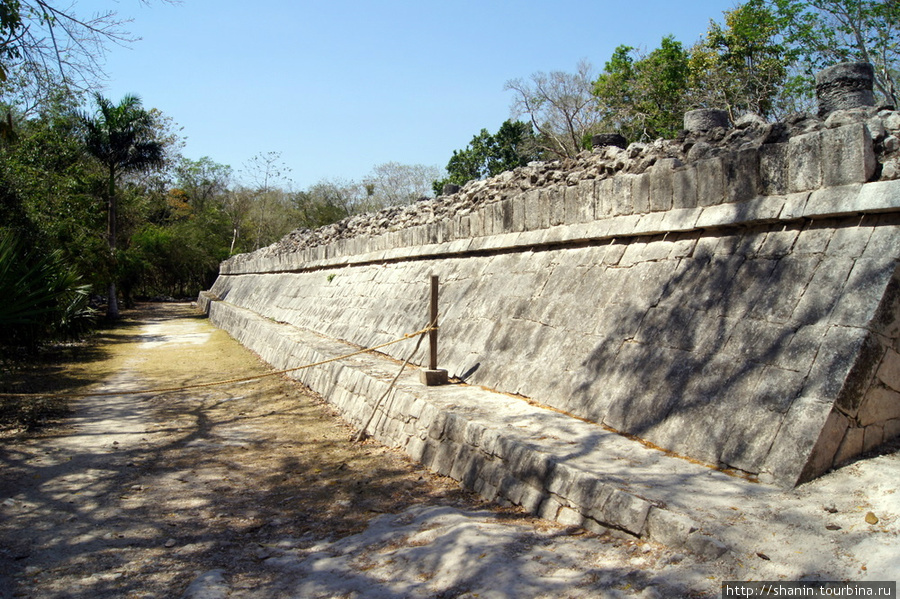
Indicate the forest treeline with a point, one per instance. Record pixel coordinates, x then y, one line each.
97 201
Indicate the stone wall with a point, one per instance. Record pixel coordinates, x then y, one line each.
730 296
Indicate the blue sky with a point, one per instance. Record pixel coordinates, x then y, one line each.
337 87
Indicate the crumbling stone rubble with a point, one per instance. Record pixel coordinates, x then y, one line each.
750 131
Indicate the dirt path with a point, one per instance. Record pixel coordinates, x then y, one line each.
254 491
136 495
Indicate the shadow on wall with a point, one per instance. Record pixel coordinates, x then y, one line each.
737 358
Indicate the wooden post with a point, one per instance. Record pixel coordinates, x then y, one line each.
433 320
433 375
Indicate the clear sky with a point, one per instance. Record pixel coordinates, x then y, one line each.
339 86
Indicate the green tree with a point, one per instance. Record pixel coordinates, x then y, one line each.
204 181
824 32
328 202
120 137
743 66
644 97
487 155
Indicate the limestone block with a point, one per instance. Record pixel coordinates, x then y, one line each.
814 238
705 119
569 517
661 185
485 489
467 465
845 86
778 242
624 225
680 219
546 197
531 498
773 170
798 433
795 205
833 201
560 480
845 367
684 187
625 511
865 288
474 433
823 291
878 196
685 245
748 443
640 193
428 451
850 447
873 437
582 489
805 162
892 429
487 218
549 508
454 428
444 457
487 212
741 172
512 489
623 203
650 223
556 200
669 528
604 198
879 406
710 182
463 227
476 223
532 210
512 223
586 203
889 370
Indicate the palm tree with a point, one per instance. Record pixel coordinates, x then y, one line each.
121 137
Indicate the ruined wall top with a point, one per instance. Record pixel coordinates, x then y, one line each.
712 161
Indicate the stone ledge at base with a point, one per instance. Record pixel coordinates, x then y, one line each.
501 446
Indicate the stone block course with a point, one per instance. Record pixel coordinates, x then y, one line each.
805 162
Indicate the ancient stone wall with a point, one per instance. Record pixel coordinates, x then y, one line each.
730 296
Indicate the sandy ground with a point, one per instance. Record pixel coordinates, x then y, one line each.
254 490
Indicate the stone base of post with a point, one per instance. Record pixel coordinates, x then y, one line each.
432 378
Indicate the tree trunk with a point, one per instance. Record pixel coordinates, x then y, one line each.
112 305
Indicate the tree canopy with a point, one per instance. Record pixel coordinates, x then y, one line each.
488 154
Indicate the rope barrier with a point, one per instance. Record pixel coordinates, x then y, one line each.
161 390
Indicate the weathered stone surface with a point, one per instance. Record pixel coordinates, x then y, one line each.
805 162
848 155
741 172
710 182
705 119
845 86
773 169
678 302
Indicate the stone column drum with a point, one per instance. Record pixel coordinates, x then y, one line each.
705 119
844 86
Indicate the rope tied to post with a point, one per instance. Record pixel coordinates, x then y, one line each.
162 390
